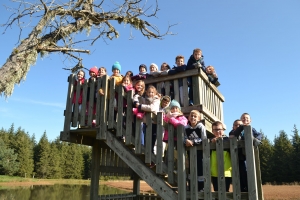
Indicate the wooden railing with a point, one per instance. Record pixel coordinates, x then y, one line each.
78 128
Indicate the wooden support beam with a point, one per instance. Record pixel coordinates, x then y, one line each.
95 171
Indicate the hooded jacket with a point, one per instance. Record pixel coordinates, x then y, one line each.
192 61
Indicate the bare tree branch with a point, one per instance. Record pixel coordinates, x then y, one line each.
60 21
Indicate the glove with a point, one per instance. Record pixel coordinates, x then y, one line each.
256 142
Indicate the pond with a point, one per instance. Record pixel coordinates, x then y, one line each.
54 192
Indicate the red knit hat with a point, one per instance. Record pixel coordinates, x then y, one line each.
94 69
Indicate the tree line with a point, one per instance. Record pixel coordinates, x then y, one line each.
21 155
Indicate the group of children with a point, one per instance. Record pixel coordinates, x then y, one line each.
149 100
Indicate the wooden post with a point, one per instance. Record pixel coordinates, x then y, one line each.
258 174
206 169
220 162
251 170
159 143
95 171
193 173
181 181
235 169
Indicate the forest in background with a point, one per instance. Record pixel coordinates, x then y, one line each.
21 155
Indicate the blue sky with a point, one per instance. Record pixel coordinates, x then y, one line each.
254 46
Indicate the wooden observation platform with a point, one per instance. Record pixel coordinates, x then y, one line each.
128 157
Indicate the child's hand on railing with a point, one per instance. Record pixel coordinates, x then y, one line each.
188 143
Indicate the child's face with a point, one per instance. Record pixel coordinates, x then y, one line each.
139 87
246 119
179 62
142 70
193 119
92 74
197 55
101 72
209 70
116 72
80 75
150 92
126 82
237 124
174 109
164 103
164 67
153 68
218 130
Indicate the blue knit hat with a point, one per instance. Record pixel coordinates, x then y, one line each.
116 65
174 103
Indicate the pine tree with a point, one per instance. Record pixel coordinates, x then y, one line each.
22 146
281 167
43 152
8 160
87 158
296 154
54 164
73 165
265 155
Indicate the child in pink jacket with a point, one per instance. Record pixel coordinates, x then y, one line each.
174 117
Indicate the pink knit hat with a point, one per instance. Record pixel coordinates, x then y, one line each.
94 69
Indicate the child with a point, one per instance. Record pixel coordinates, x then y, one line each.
164 108
154 70
116 69
180 67
164 68
139 90
129 73
174 117
101 72
152 100
142 73
127 86
239 134
195 61
211 74
93 76
195 132
80 80
218 131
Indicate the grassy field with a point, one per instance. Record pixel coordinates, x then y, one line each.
271 192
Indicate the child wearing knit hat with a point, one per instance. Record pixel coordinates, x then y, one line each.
116 69
174 117
154 70
142 73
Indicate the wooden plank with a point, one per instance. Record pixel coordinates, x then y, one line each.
90 103
197 97
138 130
120 92
111 109
206 168
193 173
170 152
76 106
83 117
176 90
220 162
181 163
148 149
167 88
103 108
129 118
258 174
251 170
95 171
159 143
235 169
68 112
185 93
158 185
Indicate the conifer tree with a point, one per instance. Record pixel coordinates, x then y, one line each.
73 165
296 154
22 146
282 167
43 152
54 163
265 156
8 160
